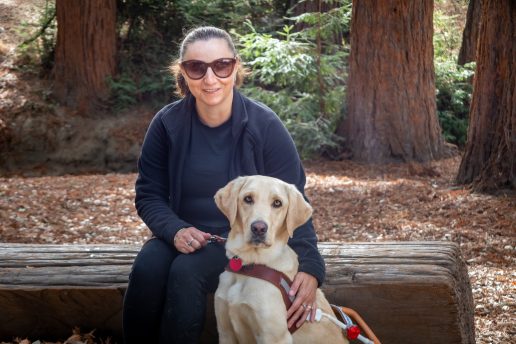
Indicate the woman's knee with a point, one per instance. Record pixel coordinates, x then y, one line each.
199 268
182 274
152 263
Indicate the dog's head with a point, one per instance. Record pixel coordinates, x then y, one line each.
262 210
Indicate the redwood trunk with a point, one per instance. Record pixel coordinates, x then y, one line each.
489 161
468 49
391 90
85 50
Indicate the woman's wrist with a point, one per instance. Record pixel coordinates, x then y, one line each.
176 235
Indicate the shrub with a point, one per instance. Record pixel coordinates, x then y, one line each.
452 81
453 98
301 79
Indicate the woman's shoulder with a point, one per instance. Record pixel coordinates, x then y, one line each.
174 108
173 115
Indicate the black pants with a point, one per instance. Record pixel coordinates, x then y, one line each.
165 300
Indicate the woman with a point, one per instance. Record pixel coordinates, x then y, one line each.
192 148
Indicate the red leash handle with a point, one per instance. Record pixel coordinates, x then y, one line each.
361 323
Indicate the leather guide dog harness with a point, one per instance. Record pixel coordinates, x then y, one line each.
277 278
283 283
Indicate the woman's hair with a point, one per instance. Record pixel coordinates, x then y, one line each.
203 33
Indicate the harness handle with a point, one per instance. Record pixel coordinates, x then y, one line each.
358 319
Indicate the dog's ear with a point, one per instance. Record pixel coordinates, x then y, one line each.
226 198
299 210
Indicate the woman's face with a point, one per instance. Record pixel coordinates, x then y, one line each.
210 90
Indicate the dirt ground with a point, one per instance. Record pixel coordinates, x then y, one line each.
352 202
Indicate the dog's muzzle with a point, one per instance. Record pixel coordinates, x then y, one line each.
258 232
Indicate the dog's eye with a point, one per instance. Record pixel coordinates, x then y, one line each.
248 199
277 203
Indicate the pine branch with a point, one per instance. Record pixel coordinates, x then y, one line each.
41 30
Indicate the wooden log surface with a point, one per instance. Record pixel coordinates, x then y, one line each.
408 292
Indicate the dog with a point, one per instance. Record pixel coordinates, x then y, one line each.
263 213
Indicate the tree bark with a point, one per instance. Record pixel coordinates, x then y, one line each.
468 49
85 51
489 160
391 89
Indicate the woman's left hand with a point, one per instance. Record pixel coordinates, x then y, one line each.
304 290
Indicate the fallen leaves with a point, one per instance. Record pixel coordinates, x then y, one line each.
76 338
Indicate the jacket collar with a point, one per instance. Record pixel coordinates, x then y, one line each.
181 113
238 113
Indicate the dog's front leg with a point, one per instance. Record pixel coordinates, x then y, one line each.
286 339
268 327
224 327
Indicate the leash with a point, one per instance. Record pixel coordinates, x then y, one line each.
217 239
352 330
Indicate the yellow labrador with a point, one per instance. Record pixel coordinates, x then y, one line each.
263 213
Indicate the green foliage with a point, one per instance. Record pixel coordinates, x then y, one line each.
36 52
447 39
453 98
127 90
453 82
327 24
147 31
301 79
231 14
278 62
124 91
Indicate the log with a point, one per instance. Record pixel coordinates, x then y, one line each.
408 292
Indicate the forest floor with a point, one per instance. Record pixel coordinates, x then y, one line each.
352 202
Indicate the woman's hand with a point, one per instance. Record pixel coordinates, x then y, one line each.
190 239
304 289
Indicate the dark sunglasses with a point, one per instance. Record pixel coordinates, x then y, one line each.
196 70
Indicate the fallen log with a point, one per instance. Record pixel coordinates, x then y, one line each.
408 292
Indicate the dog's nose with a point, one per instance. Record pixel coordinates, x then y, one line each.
259 227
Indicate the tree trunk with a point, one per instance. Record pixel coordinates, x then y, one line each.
489 161
85 51
391 89
468 49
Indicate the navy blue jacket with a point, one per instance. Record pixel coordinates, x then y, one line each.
262 146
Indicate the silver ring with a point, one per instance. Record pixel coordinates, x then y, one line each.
190 242
304 305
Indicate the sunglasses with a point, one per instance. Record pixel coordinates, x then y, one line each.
196 69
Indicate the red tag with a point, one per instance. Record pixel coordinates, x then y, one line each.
235 263
353 332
